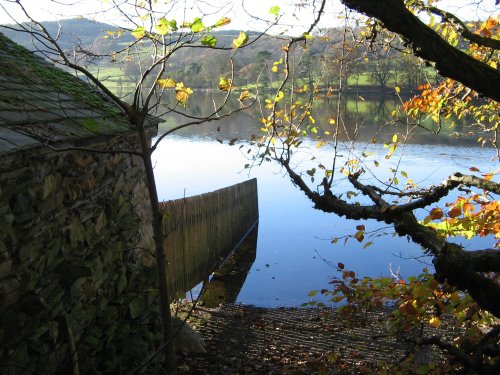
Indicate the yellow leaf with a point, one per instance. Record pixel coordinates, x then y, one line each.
182 93
274 69
360 235
225 84
222 22
166 83
139 33
241 40
331 121
435 321
398 90
244 95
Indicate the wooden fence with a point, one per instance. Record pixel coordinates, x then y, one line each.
202 231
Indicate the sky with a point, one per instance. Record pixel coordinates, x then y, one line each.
293 20
239 11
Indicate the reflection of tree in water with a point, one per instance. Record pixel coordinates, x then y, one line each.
227 281
362 120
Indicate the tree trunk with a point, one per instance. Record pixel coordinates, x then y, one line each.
170 358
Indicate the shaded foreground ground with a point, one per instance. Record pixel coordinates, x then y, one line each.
249 340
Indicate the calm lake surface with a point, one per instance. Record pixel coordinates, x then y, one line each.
294 240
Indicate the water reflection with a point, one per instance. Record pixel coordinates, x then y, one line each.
362 120
226 283
294 238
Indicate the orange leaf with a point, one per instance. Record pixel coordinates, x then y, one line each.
359 236
436 213
455 212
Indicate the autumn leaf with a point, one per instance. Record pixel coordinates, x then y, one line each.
182 93
241 40
225 84
244 95
139 33
436 213
166 83
222 22
435 322
360 235
455 212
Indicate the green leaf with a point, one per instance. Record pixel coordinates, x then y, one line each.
172 24
369 243
136 307
241 40
139 33
209 40
197 26
274 10
312 293
163 28
101 222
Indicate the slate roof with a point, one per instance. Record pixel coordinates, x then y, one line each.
39 102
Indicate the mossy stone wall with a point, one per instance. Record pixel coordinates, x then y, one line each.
76 266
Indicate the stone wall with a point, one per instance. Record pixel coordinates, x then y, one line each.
76 265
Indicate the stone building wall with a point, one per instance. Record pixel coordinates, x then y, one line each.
76 263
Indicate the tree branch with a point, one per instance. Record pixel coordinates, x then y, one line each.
462 269
427 44
464 30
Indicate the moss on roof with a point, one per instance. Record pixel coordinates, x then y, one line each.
39 100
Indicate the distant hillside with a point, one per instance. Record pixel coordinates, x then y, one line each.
200 69
75 31
316 61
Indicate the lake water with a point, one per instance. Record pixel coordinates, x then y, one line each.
294 240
